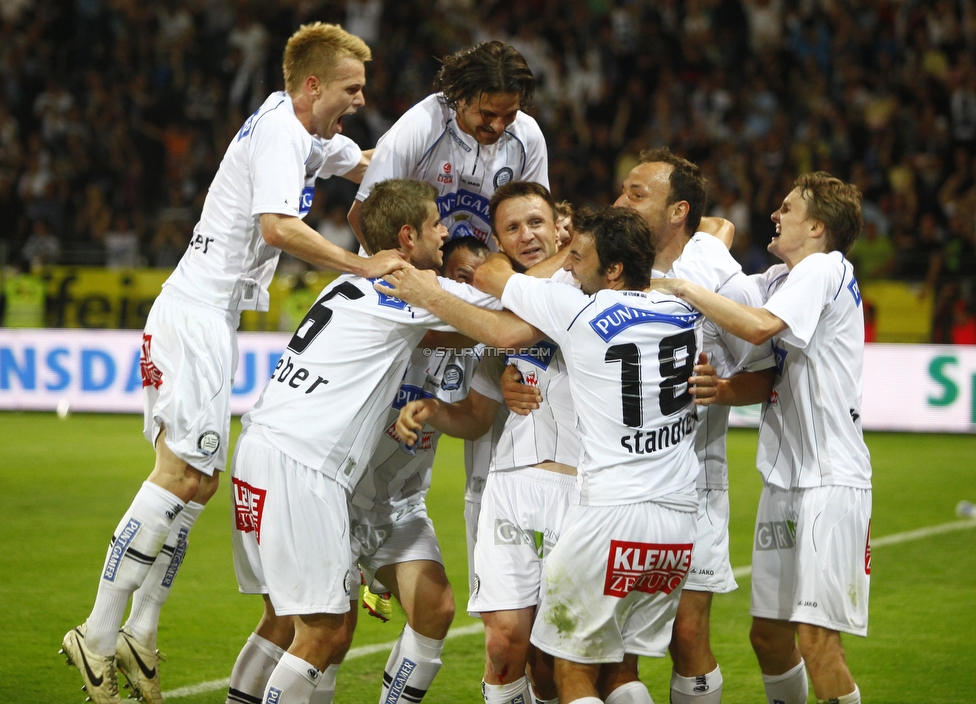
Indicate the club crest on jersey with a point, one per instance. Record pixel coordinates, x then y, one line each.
385 299
502 176
208 443
645 567
453 376
305 203
540 354
618 317
445 175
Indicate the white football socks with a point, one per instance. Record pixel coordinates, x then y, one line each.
789 688
630 693
852 698
411 667
516 692
134 547
293 680
703 689
148 599
325 692
252 670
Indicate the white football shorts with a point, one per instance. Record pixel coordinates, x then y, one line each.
522 513
472 509
811 557
611 585
380 539
290 531
711 568
188 360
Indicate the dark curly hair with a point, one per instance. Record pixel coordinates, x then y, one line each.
488 67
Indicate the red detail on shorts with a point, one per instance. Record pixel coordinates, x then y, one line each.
867 552
646 567
151 376
424 442
248 507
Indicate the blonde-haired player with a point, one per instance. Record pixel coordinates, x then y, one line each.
253 211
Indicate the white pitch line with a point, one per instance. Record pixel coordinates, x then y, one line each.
738 573
353 653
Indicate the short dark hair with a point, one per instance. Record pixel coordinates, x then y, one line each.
390 205
834 203
488 67
519 189
687 183
472 244
620 235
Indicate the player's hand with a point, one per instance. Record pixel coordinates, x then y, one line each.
412 418
669 286
382 263
704 384
410 285
520 398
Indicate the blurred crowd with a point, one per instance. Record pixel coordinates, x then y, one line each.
114 114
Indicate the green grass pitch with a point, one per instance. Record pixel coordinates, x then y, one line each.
65 484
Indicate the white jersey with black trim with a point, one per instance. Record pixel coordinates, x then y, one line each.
327 401
629 355
427 144
810 434
399 476
707 262
549 433
478 453
270 167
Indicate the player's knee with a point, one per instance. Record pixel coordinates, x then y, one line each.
443 613
765 643
506 650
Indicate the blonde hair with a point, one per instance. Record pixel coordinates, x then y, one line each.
315 49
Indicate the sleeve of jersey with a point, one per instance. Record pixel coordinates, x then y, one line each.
536 155
801 300
487 379
706 262
397 151
548 305
277 167
466 293
745 290
342 155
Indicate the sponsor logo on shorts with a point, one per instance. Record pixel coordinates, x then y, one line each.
274 696
248 507
347 582
151 376
867 552
646 567
776 535
507 533
208 443
502 176
400 681
177 559
119 546
453 376
811 604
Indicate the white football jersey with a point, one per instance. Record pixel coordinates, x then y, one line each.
270 167
478 453
328 399
426 144
810 434
399 476
707 262
629 355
